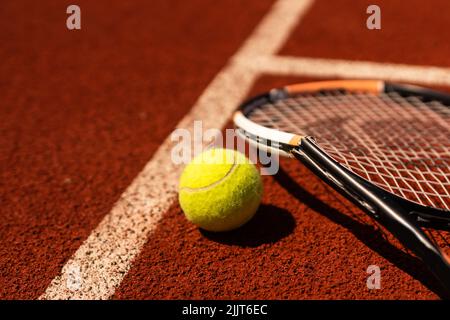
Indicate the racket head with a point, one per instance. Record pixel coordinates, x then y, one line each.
365 126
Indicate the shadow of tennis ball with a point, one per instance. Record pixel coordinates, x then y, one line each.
269 225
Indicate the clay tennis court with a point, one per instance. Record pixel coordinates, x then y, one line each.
88 193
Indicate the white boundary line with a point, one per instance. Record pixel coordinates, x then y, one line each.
315 67
105 257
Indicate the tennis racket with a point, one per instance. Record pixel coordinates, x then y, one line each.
384 146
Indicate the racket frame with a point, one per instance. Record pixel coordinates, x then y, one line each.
399 216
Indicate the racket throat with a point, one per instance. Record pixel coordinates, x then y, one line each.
318 169
386 208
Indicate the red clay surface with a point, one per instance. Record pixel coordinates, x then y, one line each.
82 112
412 32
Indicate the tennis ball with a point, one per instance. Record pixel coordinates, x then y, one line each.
220 190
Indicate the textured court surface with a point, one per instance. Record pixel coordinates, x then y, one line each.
86 183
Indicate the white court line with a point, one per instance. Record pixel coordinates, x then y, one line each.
315 67
106 255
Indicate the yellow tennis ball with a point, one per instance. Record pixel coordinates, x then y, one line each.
220 190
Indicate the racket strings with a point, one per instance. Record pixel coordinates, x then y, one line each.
399 143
